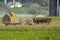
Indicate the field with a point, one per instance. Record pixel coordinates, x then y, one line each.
25 9
29 35
20 10
31 32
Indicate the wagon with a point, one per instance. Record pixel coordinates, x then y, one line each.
41 19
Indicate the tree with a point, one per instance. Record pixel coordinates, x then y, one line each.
34 8
53 8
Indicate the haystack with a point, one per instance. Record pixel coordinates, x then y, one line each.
11 18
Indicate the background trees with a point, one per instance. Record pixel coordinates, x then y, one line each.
53 8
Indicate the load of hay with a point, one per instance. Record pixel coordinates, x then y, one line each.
28 21
41 19
11 18
39 16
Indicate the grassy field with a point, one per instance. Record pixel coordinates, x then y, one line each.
20 10
29 35
31 32
25 9
27 32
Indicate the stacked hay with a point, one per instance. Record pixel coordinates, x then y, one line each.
28 22
14 18
11 18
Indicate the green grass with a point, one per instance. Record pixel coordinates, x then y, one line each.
25 9
29 35
57 20
44 8
20 10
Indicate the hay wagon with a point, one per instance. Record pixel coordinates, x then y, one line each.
10 19
41 19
